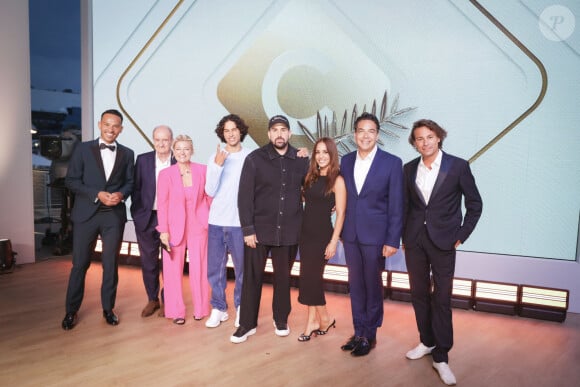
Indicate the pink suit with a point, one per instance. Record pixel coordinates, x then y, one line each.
183 212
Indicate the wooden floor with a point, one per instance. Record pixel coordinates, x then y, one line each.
490 349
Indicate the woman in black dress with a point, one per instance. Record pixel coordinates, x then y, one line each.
324 192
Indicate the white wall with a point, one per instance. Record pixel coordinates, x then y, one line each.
87 71
16 204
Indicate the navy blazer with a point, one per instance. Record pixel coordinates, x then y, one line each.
375 216
86 178
443 214
144 189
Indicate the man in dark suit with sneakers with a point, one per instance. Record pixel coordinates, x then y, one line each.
100 175
435 185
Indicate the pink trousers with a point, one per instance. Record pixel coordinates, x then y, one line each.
173 278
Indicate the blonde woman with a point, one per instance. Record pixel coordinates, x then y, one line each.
183 211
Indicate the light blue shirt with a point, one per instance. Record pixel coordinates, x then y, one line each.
222 183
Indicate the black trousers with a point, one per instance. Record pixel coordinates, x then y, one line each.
254 263
432 309
111 227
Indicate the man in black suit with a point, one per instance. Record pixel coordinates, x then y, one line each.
434 227
100 175
144 211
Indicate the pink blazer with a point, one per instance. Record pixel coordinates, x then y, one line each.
171 213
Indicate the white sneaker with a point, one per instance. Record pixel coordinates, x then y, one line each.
241 335
281 329
445 373
237 322
419 351
216 318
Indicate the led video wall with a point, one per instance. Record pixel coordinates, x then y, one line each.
501 77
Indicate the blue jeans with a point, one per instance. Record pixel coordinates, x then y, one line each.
222 239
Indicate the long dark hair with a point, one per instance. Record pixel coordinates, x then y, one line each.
333 166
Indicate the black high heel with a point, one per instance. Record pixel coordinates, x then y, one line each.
325 331
304 337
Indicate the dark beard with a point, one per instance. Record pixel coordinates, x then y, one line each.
280 147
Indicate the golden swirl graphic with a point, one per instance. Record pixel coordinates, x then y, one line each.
137 57
534 59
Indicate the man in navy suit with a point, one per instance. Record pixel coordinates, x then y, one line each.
372 228
144 212
100 175
434 227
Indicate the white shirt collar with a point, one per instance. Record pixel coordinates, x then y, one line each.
370 156
436 164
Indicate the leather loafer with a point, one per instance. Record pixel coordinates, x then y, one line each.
363 347
150 308
110 317
351 343
69 321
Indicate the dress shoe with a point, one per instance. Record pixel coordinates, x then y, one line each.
150 308
69 321
445 373
419 351
242 334
110 317
351 343
362 348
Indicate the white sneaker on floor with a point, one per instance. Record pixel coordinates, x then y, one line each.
237 322
445 373
216 318
419 351
281 329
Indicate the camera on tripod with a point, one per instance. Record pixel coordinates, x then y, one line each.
59 148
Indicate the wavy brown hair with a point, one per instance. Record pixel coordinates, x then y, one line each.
333 167
432 126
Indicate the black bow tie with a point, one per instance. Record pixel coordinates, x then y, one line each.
109 147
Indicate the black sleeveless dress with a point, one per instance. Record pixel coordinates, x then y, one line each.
314 237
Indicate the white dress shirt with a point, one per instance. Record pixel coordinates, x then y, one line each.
426 176
362 167
159 166
108 158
